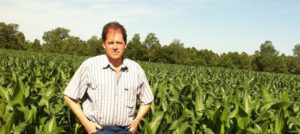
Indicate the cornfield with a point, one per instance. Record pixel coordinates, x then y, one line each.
188 99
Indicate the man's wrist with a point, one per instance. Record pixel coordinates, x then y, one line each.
85 122
138 118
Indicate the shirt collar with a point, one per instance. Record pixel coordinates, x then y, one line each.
106 64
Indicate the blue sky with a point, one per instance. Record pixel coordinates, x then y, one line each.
217 25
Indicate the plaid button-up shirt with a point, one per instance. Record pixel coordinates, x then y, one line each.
107 99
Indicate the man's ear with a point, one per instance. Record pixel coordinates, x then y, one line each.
103 45
125 45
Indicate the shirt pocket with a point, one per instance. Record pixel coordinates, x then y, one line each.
94 93
130 100
91 92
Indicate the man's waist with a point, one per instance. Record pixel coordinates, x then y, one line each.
106 122
114 127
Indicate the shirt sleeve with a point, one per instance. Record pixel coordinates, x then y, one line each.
78 84
145 93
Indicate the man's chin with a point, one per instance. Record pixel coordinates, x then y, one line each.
115 57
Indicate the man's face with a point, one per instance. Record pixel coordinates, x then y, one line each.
114 45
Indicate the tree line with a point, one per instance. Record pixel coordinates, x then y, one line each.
58 40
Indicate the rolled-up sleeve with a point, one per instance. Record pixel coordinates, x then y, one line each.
78 84
145 93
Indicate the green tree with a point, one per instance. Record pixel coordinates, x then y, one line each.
293 66
296 51
10 37
268 49
24 45
229 60
36 45
153 45
254 62
54 39
267 58
192 56
74 46
94 46
281 67
164 54
207 58
176 53
245 61
135 50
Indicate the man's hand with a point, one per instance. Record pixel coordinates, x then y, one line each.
91 127
142 112
134 125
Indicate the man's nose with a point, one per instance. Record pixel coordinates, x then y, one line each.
115 46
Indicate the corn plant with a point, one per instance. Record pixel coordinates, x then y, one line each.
188 99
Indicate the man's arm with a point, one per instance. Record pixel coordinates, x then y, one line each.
89 126
143 110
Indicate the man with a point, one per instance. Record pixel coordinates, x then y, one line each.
108 86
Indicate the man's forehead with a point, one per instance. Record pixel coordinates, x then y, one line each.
114 31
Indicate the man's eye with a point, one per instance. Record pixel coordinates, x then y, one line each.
119 43
110 43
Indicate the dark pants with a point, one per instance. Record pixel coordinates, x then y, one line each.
113 130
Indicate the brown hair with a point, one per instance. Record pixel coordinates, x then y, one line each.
116 26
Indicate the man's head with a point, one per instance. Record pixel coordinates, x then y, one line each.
114 41
116 26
